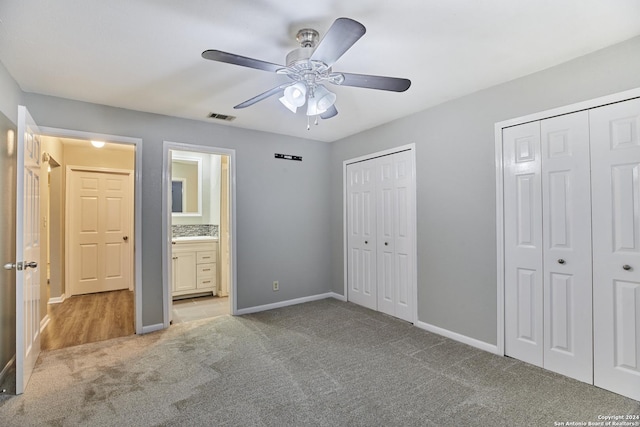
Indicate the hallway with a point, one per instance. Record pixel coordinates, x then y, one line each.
83 319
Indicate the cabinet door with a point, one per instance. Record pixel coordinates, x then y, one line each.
523 243
184 271
566 202
615 140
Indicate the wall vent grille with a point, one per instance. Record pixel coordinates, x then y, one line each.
224 117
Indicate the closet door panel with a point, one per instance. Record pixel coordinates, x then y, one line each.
566 206
523 243
361 234
386 245
404 234
616 244
395 235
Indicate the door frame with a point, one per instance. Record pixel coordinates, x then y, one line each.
414 279
67 218
137 202
167 146
499 126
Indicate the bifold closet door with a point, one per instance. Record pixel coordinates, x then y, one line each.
380 233
361 233
395 234
566 225
616 237
523 273
547 244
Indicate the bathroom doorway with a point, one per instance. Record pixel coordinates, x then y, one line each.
198 212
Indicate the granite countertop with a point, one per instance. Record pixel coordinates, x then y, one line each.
195 239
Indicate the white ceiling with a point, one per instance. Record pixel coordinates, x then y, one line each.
145 54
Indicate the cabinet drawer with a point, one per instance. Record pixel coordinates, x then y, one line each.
206 270
206 283
205 256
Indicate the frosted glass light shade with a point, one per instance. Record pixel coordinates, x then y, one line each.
287 104
296 94
322 100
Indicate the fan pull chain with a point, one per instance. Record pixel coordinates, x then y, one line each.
308 126
316 122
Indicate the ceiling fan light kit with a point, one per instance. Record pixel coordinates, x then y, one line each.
309 66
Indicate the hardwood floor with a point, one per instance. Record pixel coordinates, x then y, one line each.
82 319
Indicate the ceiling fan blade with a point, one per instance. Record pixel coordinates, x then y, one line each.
331 112
344 32
262 96
376 82
232 58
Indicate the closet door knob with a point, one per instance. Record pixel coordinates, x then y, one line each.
366 242
626 267
386 243
561 261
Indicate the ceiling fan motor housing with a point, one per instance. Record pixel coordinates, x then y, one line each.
299 54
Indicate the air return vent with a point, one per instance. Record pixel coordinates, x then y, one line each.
221 117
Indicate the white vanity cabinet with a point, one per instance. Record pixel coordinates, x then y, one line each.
194 266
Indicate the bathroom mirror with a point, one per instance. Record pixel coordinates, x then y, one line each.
186 185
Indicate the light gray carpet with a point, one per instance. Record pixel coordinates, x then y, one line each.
325 363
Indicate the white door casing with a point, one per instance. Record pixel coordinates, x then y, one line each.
100 243
523 275
27 249
615 131
566 204
225 267
361 237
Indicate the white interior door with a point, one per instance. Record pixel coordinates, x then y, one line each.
27 249
523 273
566 201
615 135
99 223
394 184
361 233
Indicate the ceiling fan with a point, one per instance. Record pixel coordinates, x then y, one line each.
309 67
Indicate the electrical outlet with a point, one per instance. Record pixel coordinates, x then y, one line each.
276 285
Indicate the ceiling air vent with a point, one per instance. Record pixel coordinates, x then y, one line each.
222 117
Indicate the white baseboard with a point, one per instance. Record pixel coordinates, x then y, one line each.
338 296
286 303
7 368
57 300
491 348
152 328
44 322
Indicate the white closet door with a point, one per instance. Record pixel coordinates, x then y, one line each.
523 243
395 235
566 219
616 238
361 234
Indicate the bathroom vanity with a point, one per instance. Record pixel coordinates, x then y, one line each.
194 266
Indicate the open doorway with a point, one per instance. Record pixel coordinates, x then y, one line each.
88 237
198 232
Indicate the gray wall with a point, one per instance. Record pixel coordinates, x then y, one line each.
10 95
456 181
282 214
290 215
